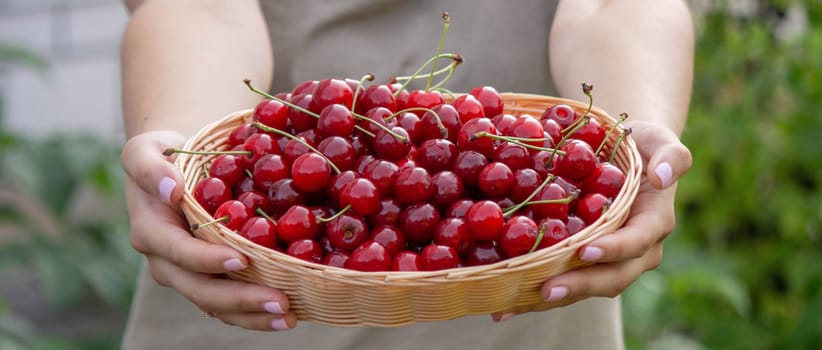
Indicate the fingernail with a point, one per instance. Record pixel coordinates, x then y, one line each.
557 293
664 171
279 324
233 264
591 254
505 317
273 307
166 186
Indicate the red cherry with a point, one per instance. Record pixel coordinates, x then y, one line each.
490 100
305 249
527 127
310 172
336 258
495 179
211 192
413 185
361 195
484 220
552 128
422 99
563 114
436 155
370 256
389 147
377 96
503 123
259 144
526 182
387 214
336 184
233 214
468 139
430 127
418 222
228 168
335 120
272 113
468 107
346 232
240 134
578 162
459 208
438 257
591 206
382 174
268 170
245 184
375 117
360 143
551 191
406 260
453 232
518 236
484 253
261 231
296 224
339 151
468 166
574 225
606 179
306 87
300 121
591 133
514 156
390 237
411 123
554 231
448 187
254 200
331 91
282 195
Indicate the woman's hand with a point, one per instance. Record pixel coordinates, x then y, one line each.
621 257
178 260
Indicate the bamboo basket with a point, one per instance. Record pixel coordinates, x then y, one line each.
348 298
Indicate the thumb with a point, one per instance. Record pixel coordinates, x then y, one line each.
666 158
143 160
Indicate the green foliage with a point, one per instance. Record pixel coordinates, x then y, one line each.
741 271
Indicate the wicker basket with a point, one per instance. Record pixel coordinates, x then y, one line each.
347 298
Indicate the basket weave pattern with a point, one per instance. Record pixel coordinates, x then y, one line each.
349 298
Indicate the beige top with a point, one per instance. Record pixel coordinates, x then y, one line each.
504 44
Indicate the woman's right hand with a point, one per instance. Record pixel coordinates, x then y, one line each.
177 259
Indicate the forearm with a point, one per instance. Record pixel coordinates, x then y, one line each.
183 63
637 53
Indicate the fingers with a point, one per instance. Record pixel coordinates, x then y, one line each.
237 303
144 162
666 158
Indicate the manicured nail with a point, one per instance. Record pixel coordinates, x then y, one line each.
591 254
279 324
233 264
557 293
505 317
166 186
664 171
273 307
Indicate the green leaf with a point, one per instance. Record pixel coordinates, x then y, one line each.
14 54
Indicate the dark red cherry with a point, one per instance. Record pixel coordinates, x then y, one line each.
436 257
490 99
418 222
592 133
361 195
240 134
514 156
389 147
310 172
553 129
390 237
468 107
554 231
336 184
422 99
377 96
526 182
453 232
591 207
297 223
305 249
335 120
261 231
362 162
504 122
268 170
361 144
282 195
543 162
606 179
382 174
376 117
448 187
413 185
484 253
370 256
436 155
431 124
552 191
495 179
406 260
469 138
339 151
346 232
332 91
254 200
459 208
468 166
272 113
336 258
300 121
485 220
387 214
563 114
519 235
260 144
245 184
578 162
306 87
211 192
228 168
294 148
411 123
574 225
233 214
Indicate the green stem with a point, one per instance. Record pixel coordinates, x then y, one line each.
452 67
516 207
622 118
381 126
446 23
586 89
516 142
414 76
616 145
263 214
195 227
170 151
405 78
320 220
540 236
436 115
267 128
367 77
565 137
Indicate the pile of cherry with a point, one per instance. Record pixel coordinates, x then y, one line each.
382 178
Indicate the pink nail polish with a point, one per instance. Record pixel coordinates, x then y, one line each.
279 324
165 187
233 264
591 254
273 307
506 317
664 171
557 293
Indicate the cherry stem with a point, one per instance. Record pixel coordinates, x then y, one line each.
565 200
263 214
436 115
267 128
622 136
586 89
540 236
443 90
622 118
412 77
452 67
320 220
249 174
446 23
404 78
566 136
195 227
170 151
515 141
519 205
367 77
381 126
291 105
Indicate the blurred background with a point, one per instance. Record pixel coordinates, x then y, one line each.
741 271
